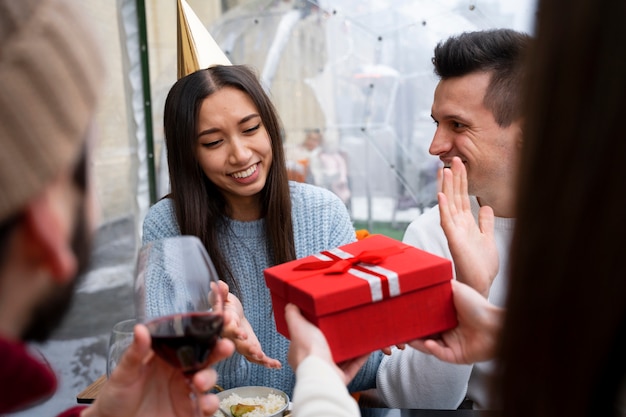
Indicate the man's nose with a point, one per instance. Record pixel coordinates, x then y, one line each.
441 143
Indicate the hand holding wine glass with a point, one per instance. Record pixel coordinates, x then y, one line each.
177 297
144 385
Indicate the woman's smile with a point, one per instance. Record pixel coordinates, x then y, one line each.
246 176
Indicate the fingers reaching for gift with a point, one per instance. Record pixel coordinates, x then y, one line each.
233 316
389 349
238 329
251 349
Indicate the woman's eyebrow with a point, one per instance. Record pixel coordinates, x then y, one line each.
251 116
208 131
215 129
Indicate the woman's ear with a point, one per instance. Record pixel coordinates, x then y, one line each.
48 224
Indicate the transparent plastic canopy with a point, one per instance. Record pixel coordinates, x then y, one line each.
360 72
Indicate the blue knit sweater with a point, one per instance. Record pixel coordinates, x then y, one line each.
320 222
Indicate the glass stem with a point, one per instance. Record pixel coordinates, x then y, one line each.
194 395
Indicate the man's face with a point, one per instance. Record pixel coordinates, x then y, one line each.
465 128
50 312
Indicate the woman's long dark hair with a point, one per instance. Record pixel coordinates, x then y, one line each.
563 345
200 206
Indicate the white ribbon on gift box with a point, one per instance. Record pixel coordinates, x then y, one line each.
375 281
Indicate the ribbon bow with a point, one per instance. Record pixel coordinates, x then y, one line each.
340 266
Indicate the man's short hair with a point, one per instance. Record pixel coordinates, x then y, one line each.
500 52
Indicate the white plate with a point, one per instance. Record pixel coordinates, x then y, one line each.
254 391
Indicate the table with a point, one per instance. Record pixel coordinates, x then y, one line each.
88 395
91 392
396 412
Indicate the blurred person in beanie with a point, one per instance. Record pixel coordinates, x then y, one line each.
50 74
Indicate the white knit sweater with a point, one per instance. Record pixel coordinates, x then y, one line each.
411 379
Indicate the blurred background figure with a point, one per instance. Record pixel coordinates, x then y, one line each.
321 163
328 167
298 157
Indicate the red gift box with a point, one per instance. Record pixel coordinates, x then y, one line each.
366 295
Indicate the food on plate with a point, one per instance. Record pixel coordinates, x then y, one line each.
253 406
238 410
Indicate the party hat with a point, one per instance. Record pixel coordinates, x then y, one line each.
196 47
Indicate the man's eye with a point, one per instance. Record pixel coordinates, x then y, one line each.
458 125
252 129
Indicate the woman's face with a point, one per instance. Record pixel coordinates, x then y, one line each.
233 147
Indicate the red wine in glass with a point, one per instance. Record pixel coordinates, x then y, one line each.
186 340
177 297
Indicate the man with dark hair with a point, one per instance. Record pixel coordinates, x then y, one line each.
50 77
476 108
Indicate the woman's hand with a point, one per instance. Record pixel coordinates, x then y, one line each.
307 339
238 329
145 385
475 337
473 247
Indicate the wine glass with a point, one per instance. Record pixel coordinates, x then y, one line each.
122 335
177 298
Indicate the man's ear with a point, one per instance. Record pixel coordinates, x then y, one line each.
48 225
520 135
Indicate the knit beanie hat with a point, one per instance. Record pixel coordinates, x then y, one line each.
50 75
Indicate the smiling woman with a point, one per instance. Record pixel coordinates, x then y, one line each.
230 188
234 150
